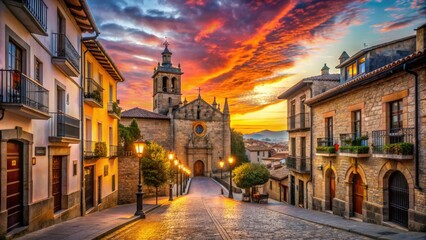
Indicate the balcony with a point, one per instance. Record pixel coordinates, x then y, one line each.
397 144
22 95
64 128
298 122
65 56
354 145
94 149
93 94
325 147
114 110
113 151
31 13
299 164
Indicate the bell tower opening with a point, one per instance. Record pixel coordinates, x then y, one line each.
168 79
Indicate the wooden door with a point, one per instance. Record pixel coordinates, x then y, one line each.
198 168
14 195
99 189
398 199
57 182
292 191
89 182
332 189
358 194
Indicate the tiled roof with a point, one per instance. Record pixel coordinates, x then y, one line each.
363 79
142 113
258 148
279 173
302 83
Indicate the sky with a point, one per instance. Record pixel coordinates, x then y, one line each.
247 51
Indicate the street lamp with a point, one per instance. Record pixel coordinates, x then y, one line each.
177 180
171 156
230 161
221 164
139 147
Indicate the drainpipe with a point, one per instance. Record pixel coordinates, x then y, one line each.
416 125
310 154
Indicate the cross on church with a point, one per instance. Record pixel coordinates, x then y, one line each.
166 44
199 91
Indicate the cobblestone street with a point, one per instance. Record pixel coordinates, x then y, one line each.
205 214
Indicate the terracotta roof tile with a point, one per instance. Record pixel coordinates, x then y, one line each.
142 113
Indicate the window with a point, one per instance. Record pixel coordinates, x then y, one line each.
351 71
303 147
74 168
270 185
88 129
329 130
113 183
111 93
111 136
89 70
38 71
99 132
361 65
395 115
165 84
356 123
293 146
14 57
258 153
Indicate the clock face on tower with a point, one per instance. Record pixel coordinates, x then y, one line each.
200 129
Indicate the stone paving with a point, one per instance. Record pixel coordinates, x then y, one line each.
205 214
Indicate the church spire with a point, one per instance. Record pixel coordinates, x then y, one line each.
225 107
167 55
214 103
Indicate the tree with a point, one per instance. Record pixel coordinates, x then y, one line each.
249 175
155 167
238 149
127 135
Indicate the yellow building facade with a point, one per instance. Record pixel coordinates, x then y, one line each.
100 121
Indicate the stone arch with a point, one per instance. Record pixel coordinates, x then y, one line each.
174 84
349 198
164 87
199 168
330 175
383 182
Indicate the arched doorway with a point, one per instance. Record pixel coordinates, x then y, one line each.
398 199
198 168
14 196
330 189
357 195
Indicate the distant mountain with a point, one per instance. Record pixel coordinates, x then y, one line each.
268 136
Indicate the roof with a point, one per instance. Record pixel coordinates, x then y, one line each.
365 50
82 15
279 173
142 113
379 73
302 83
258 148
101 55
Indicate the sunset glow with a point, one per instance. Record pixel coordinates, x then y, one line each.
246 51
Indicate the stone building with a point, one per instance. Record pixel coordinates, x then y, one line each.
198 132
256 153
277 185
299 129
369 136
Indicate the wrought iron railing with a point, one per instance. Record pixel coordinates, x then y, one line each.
17 88
93 90
354 143
95 149
325 142
39 11
114 108
63 125
113 151
298 121
386 139
63 48
301 164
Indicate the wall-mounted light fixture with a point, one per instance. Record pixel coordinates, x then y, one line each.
319 167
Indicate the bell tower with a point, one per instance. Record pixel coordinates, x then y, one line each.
167 84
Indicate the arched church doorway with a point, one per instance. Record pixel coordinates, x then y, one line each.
198 168
398 199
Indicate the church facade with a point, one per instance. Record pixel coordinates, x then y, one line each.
197 132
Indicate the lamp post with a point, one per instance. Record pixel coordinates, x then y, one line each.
177 182
230 161
221 164
171 156
139 146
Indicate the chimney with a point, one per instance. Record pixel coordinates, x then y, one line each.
343 57
325 70
421 38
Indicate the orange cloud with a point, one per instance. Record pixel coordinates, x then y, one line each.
209 29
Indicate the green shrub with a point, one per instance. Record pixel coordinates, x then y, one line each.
399 148
355 149
100 149
325 149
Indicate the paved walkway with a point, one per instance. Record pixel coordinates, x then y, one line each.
334 221
94 224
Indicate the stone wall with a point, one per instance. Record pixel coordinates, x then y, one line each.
157 130
128 182
372 100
